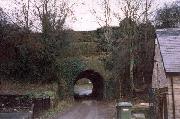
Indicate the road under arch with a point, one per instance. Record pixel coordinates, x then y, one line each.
97 81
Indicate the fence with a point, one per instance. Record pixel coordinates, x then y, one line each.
14 102
23 103
40 105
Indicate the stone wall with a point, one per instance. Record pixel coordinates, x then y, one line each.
159 79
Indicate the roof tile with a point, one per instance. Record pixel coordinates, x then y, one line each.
169 42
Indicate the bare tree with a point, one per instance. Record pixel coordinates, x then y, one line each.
52 14
23 14
134 9
3 17
104 19
43 15
103 16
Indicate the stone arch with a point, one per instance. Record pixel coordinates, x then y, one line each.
97 81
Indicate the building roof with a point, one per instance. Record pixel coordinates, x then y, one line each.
169 43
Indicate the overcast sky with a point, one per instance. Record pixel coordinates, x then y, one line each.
85 20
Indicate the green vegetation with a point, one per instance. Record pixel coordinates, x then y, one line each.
58 57
70 68
45 94
46 63
168 16
130 57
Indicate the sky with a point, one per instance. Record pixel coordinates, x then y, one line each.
85 20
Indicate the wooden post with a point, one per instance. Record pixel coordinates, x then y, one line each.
173 100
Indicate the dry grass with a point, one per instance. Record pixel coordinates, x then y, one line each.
23 88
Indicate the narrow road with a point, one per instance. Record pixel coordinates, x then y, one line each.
89 110
81 90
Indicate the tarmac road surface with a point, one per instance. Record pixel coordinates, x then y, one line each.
89 109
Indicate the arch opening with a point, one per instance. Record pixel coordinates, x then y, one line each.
83 87
94 85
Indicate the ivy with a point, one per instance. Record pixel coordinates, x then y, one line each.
71 68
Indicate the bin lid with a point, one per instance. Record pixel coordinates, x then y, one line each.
124 104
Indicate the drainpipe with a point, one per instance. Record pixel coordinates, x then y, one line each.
173 99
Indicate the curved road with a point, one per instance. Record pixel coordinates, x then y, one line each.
89 110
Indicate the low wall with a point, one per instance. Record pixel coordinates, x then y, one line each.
16 115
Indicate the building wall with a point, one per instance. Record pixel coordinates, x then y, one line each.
163 79
176 90
159 79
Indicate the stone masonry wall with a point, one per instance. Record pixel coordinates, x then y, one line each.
159 79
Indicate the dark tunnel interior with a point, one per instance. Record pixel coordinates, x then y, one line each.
97 82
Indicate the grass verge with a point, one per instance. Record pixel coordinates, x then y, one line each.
60 107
